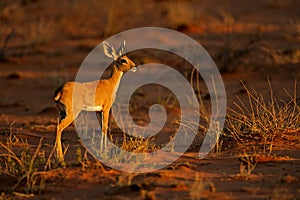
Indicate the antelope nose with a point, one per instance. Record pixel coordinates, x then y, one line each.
134 69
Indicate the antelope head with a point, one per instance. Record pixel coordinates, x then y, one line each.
122 62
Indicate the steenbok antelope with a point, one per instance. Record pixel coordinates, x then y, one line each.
95 96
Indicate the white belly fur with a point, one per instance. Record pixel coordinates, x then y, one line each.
92 108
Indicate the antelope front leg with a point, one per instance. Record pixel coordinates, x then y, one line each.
99 118
105 116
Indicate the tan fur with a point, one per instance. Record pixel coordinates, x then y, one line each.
87 98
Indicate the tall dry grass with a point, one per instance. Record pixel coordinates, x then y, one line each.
264 119
22 164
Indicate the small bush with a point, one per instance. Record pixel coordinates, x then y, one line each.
262 119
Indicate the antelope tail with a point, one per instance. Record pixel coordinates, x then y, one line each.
57 94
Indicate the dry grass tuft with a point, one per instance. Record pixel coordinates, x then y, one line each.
200 188
262 119
22 164
293 27
248 163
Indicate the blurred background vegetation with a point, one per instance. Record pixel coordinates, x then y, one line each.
238 34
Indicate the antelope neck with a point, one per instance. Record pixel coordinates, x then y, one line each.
116 74
116 78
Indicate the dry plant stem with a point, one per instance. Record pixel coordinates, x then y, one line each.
23 166
96 159
247 165
30 171
11 155
203 110
197 188
248 161
48 162
205 116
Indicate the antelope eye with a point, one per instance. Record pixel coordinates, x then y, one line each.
123 61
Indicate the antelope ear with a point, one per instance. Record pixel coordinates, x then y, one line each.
120 51
109 50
